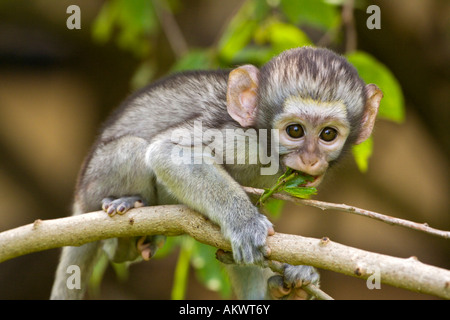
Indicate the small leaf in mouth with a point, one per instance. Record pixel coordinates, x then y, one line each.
300 180
293 182
301 192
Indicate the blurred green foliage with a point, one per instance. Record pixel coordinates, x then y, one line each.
257 32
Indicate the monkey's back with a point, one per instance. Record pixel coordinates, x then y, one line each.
169 103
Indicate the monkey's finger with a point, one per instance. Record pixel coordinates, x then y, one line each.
271 231
225 257
146 254
147 246
277 288
111 211
123 207
144 248
106 203
299 294
139 203
266 251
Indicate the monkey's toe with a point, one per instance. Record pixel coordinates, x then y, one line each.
121 205
148 245
290 284
297 276
277 288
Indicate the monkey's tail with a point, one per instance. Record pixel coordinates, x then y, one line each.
75 269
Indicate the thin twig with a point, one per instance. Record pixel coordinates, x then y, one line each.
171 29
349 25
289 175
362 212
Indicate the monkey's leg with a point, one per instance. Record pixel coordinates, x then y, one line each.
254 282
114 168
249 282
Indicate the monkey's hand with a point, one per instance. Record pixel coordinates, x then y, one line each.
289 285
248 238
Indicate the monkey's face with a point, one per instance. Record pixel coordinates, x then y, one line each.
313 97
312 134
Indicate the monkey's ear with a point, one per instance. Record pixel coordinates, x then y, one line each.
374 95
241 94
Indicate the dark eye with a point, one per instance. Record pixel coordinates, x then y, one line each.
328 134
295 131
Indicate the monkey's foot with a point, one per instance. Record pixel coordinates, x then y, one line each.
121 205
125 249
289 285
148 245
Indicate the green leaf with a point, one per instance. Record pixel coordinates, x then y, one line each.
301 192
362 153
317 13
236 38
97 275
241 29
104 23
209 270
182 269
135 21
121 270
143 74
170 245
282 36
373 71
299 180
273 207
256 55
195 60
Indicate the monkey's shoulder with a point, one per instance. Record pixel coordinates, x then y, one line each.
167 102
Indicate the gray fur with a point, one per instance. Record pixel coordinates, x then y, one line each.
131 157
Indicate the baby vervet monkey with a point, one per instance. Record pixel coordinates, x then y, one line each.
194 138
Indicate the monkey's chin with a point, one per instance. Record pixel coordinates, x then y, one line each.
316 180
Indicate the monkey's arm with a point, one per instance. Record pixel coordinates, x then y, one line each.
209 189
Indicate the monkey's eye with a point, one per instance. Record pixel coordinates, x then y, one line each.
328 134
295 131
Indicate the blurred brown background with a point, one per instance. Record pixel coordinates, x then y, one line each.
57 86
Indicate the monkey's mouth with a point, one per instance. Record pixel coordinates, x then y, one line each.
317 180
310 180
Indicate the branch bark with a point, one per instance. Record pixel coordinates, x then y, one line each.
175 220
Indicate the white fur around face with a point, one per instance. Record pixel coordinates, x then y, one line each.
313 116
311 109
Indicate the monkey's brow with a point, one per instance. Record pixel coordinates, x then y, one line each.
312 109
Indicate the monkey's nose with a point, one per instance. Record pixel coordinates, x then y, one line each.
309 161
312 165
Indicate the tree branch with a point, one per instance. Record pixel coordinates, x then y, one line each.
175 220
